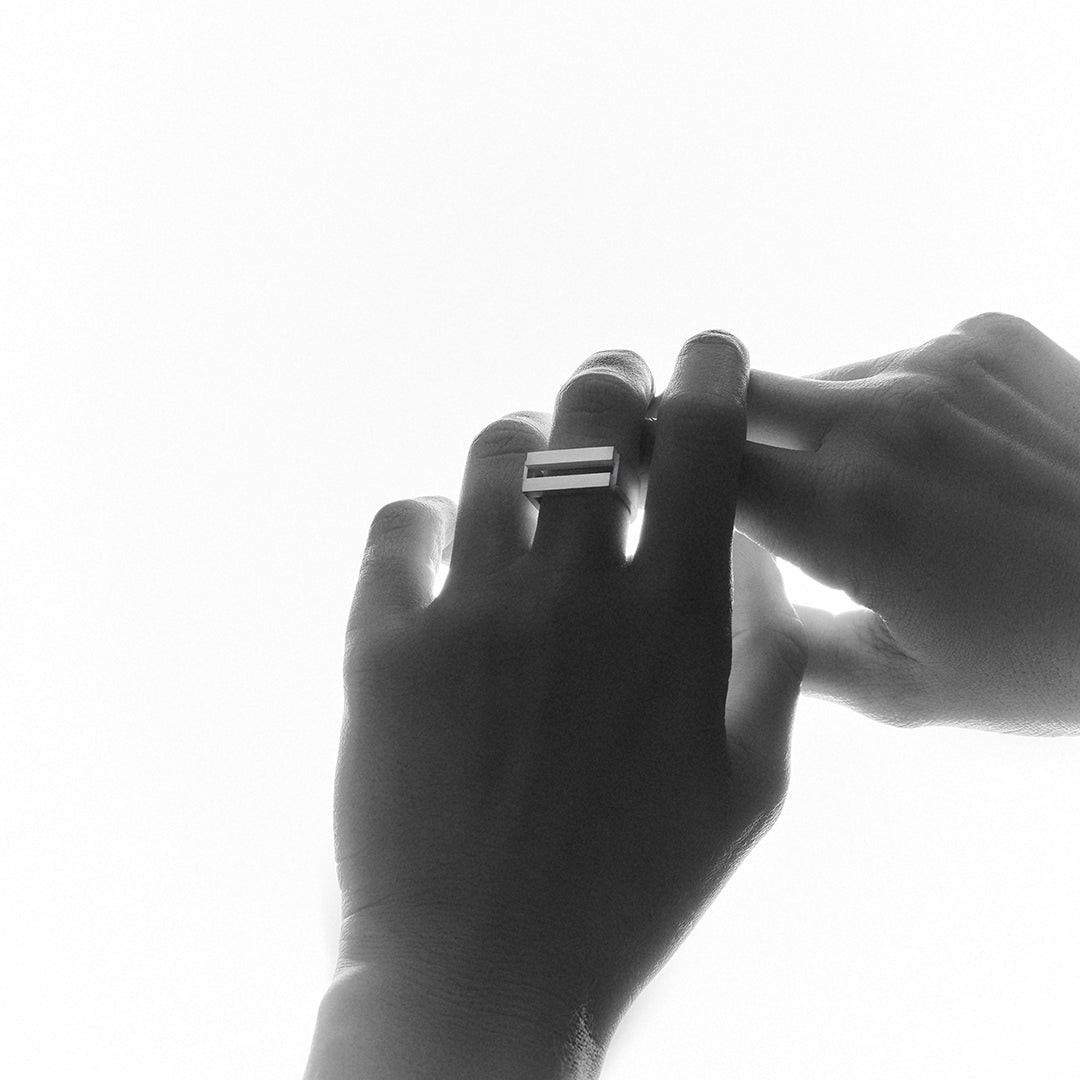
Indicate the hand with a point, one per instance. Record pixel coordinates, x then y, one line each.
940 488
545 774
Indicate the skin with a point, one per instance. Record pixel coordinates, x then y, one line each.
940 488
547 772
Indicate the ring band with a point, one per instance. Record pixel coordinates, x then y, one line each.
582 469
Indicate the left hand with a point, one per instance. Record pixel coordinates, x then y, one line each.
545 772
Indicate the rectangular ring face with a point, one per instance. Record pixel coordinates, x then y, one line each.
581 469
589 468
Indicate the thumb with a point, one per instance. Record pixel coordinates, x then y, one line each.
855 661
768 654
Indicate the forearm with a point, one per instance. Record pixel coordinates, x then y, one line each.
376 1026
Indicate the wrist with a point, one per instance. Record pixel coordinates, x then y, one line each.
389 1024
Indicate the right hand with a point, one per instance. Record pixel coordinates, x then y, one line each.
939 487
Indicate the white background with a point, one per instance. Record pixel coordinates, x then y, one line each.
264 267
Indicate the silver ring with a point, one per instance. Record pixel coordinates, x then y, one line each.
582 469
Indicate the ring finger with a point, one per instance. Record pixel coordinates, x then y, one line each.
494 520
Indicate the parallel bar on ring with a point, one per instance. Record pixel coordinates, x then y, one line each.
577 459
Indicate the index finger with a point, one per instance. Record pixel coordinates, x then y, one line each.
694 474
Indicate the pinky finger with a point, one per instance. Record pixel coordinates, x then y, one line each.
405 548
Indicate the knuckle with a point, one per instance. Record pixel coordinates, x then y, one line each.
990 323
791 647
914 412
707 403
508 435
713 419
370 649
951 358
955 349
941 377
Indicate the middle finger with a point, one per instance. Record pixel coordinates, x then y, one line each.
602 404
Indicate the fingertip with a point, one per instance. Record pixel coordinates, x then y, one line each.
401 559
540 421
441 504
626 365
700 433
714 363
712 336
